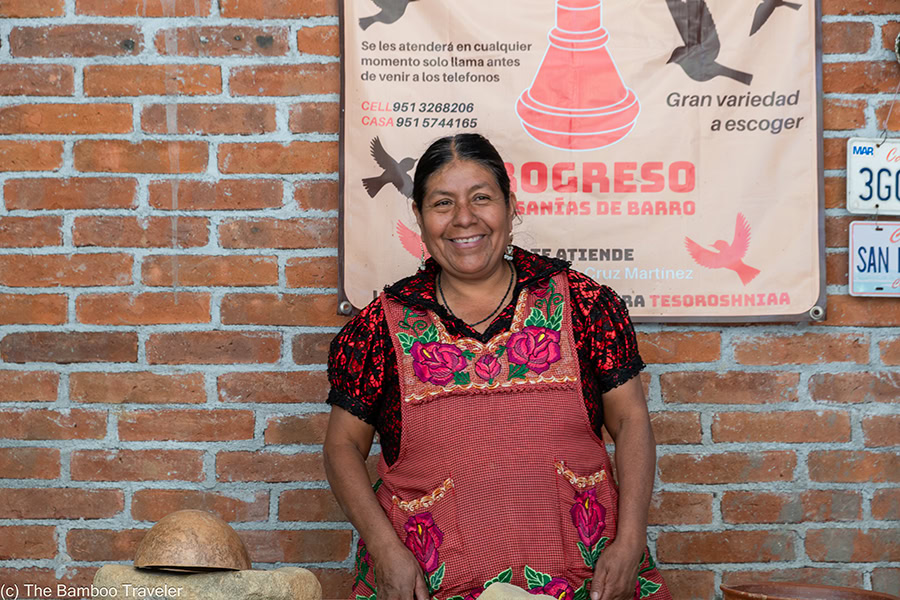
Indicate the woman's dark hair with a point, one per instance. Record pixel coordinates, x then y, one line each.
462 146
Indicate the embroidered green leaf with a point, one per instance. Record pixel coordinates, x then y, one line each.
536 319
517 371
648 588
436 578
406 341
456 598
502 577
586 555
462 378
429 335
468 354
535 579
598 549
582 592
372 597
500 351
555 322
377 485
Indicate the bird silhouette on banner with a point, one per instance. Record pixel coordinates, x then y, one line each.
394 172
701 43
729 256
391 11
411 240
765 10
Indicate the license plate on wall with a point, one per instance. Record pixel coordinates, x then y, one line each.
873 176
874 258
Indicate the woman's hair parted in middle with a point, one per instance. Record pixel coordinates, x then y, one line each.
462 146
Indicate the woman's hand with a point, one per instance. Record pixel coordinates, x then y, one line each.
616 572
398 575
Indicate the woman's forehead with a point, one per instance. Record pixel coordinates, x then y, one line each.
467 174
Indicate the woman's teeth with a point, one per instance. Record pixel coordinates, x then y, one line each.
468 240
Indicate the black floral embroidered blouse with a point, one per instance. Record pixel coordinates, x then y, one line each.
362 366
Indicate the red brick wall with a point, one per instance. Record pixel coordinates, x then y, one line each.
133 131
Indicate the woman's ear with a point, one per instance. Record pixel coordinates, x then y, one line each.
418 214
512 209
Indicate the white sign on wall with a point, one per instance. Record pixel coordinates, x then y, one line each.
873 176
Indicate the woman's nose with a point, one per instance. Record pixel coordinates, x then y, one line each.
463 215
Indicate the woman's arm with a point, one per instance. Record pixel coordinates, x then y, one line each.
347 444
628 422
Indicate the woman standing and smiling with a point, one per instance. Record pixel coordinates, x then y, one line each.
488 376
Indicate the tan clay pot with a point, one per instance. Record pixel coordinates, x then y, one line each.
192 541
799 591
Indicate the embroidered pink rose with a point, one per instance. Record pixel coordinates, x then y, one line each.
487 367
637 590
423 538
541 288
557 587
589 517
535 347
435 362
473 594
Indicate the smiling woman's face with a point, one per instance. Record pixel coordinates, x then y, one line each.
465 220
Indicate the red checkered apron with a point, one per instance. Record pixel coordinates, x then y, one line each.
499 476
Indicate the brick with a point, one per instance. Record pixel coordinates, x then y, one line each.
733 387
696 547
889 32
280 309
680 508
65 347
230 40
853 466
223 194
836 268
317 194
47 118
210 119
213 347
890 352
186 425
335 582
35 309
796 507
679 347
71 270
821 576
136 388
60 503
278 9
861 312
34 424
307 428
143 309
28 386
311 348
137 465
71 193
275 157
31 232
855 387
859 77
296 233
152 80
298 546
835 153
25 9
843 114
37 80
846 37
885 580
269 467
690 585
881 117
285 80
140 232
149 156
676 427
103 544
143 8
315 117
795 427
196 270
312 271
835 192
853 545
837 231
886 505
95 39
881 430
274 387
309 505
322 40
728 467
857 7
27 541
29 463
153 505
30 156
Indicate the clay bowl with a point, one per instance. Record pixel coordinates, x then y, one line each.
192 541
799 591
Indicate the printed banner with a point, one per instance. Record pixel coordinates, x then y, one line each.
668 148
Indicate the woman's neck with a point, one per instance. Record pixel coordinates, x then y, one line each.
482 289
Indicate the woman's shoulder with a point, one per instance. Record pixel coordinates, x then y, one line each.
367 325
590 296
